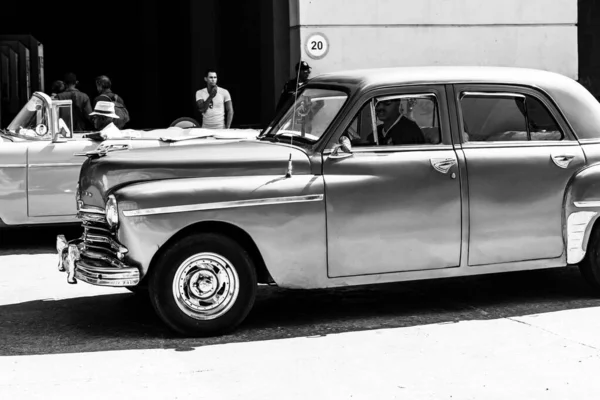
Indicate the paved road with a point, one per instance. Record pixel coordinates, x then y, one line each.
70 326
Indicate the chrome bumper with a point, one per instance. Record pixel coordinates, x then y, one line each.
101 272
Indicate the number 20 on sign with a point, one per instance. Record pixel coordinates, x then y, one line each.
316 46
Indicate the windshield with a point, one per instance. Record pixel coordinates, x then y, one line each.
310 115
32 122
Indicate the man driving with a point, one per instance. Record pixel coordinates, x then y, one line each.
396 129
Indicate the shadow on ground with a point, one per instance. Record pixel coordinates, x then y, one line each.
127 321
35 240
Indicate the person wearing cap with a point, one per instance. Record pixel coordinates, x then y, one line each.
103 117
302 73
81 103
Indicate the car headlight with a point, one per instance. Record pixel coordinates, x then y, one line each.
112 212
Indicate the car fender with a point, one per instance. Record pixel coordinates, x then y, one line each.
284 216
13 184
582 209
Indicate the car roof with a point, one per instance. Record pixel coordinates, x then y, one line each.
443 75
580 108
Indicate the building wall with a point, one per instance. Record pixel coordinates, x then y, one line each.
383 33
589 45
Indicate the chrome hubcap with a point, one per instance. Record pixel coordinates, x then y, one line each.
206 286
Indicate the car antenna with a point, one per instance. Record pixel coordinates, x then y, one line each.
295 100
290 167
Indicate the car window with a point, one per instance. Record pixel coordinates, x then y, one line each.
310 115
398 120
497 117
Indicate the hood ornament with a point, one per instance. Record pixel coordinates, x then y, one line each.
103 149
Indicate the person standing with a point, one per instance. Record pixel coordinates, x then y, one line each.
105 93
81 103
214 103
57 87
303 71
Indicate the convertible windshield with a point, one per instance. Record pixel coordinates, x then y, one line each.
32 121
310 115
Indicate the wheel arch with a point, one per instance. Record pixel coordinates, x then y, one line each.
227 229
581 211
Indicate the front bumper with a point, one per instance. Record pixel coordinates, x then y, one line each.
101 270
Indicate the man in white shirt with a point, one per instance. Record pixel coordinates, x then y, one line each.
214 103
103 116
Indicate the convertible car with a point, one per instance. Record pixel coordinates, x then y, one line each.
40 162
369 177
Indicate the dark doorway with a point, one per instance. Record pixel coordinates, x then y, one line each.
588 37
146 48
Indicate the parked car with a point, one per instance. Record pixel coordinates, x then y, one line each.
505 177
39 165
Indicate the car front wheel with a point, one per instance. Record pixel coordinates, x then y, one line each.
203 285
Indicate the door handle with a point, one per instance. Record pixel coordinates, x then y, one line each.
443 165
562 160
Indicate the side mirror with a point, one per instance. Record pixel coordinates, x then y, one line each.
343 149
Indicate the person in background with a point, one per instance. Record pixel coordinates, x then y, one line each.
214 103
103 86
81 103
103 117
302 73
57 87
105 93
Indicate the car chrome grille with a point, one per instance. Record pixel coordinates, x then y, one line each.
99 241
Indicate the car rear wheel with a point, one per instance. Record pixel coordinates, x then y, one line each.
203 285
590 265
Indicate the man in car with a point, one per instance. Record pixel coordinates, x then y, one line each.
396 128
103 117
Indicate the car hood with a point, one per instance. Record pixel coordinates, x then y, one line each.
100 176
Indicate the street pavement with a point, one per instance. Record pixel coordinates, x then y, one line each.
527 335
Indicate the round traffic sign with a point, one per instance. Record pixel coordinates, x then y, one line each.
316 46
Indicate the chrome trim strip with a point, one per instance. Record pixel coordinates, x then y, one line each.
224 204
492 94
92 211
586 204
54 165
13 165
522 143
398 148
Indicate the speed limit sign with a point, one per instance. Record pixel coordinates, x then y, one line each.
316 46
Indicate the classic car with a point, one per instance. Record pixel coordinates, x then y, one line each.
506 177
39 165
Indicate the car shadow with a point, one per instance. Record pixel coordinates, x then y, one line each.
127 321
35 240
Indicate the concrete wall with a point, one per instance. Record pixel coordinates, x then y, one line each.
382 33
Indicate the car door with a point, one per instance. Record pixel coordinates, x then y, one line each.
393 208
52 175
520 155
